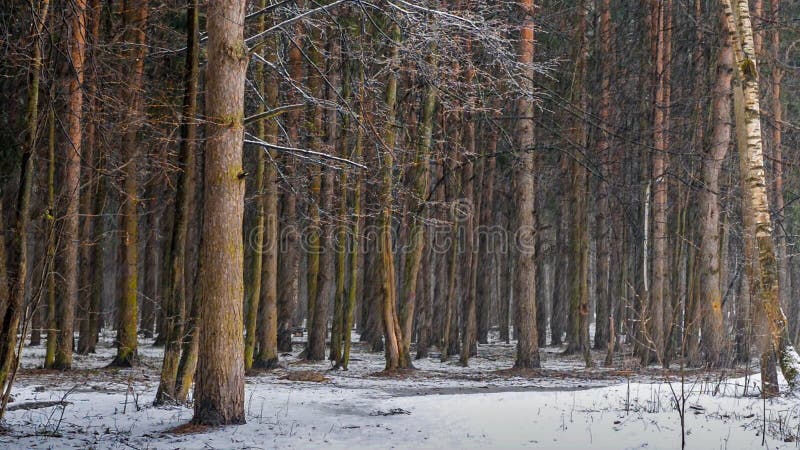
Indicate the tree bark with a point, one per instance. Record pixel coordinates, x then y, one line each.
713 332
755 199
392 331
219 390
524 191
175 304
65 315
266 353
12 312
419 176
602 146
127 344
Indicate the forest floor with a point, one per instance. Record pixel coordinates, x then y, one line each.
439 405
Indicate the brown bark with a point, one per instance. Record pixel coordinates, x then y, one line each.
127 344
219 390
12 311
392 331
175 286
602 147
66 308
713 332
524 191
289 267
266 353
655 339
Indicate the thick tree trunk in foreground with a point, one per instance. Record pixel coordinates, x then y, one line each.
219 390
524 192
754 179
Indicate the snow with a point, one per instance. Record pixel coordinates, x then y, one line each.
441 405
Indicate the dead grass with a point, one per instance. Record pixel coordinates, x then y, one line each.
188 428
306 375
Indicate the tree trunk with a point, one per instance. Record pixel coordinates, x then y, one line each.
65 314
578 335
352 292
524 191
12 312
602 217
784 275
392 331
219 391
486 244
52 308
755 199
266 353
175 291
135 21
713 331
419 176
289 267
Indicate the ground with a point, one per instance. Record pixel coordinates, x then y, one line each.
439 405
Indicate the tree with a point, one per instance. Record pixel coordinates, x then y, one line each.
753 176
524 190
709 210
175 303
65 314
12 306
219 390
135 36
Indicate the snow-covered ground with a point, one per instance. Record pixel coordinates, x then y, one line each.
440 405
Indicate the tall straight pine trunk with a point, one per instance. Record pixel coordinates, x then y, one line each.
524 193
135 22
713 332
219 390
65 314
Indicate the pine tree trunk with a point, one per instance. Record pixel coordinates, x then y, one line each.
219 390
578 335
784 275
713 331
524 191
52 308
266 351
175 286
65 314
135 21
602 218
289 264
483 292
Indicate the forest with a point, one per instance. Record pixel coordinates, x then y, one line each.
399 223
